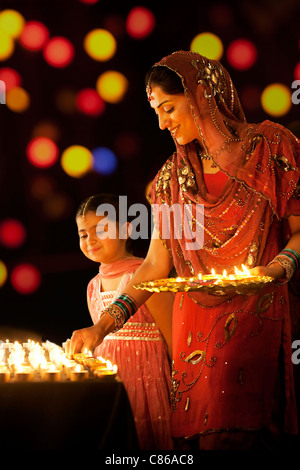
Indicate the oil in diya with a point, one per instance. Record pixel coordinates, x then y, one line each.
23 374
51 374
109 371
4 373
78 373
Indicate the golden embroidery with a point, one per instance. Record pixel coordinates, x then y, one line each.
164 177
256 139
187 404
181 301
252 254
186 177
195 357
205 419
211 75
190 266
189 339
264 302
282 163
230 326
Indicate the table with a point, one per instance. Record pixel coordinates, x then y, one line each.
91 414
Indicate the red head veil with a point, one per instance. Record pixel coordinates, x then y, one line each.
261 160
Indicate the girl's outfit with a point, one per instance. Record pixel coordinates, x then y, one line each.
232 367
140 352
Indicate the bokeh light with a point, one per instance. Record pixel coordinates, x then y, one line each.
7 45
42 186
3 273
276 99
65 100
12 22
112 86
12 233
297 71
10 77
25 278
250 96
140 22
76 161
127 144
59 52
208 44
42 152
100 44
34 35
17 99
89 2
105 161
46 129
57 206
241 54
90 102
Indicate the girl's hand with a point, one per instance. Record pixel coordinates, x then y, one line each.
84 339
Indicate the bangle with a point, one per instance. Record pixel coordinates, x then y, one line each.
292 255
289 259
121 309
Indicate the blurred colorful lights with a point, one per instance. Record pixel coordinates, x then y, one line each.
34 35
276 99
3 273
25 278
12 233
208 44
59 52
105 161
100 44
241 54
140 22
76 161
12 22
112 86
7 45
17 99
42 152
89 102
10 77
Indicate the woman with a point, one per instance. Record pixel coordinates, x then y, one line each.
232 372
139 348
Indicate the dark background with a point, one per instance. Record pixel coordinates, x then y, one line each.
59 305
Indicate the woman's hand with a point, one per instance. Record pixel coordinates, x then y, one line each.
274 270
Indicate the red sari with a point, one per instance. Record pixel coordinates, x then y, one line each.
231 352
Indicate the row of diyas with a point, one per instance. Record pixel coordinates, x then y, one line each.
99 366
41 362
241 282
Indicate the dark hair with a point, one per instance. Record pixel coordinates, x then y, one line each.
166 79
93 202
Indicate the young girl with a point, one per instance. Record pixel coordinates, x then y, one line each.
140 349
